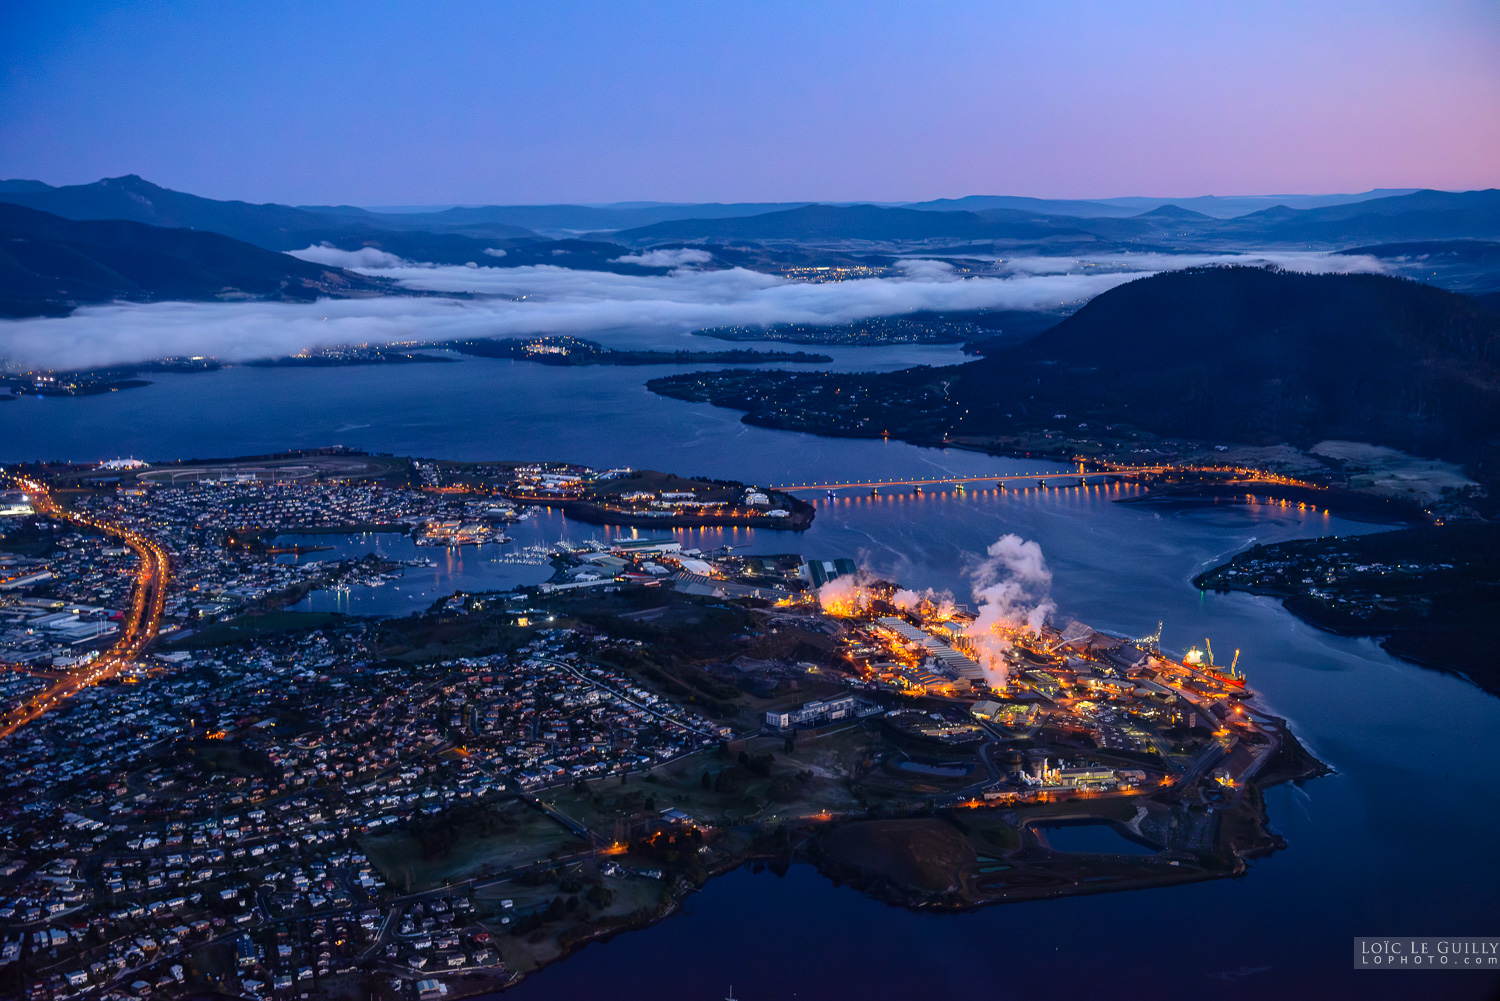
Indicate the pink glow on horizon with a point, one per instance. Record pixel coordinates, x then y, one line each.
474 103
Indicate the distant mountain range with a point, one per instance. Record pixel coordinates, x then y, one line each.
553 220
274 227
1421 215
49 264
871 223
1215 206
1434 235
571 219
462 234
284 228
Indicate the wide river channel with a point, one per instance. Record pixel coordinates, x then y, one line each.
1402 840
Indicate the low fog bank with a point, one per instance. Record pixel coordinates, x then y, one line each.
507 302
1311 262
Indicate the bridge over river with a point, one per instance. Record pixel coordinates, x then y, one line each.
1052 478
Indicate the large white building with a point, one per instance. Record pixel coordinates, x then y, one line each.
814 713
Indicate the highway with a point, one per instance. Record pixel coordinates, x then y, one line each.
141 625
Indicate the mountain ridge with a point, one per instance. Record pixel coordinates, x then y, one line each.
1256 354
270 226
1217 354
49 265
1420 215
1375 216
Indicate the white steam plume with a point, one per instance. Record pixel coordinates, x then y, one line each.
940 602
840 589
846 591
1011 587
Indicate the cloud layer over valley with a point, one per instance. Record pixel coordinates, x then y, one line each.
501 302
364 257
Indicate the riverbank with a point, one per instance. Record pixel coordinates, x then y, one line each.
918 406
1188 486
799 518
568 351
1432 593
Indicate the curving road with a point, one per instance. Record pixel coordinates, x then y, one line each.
141 625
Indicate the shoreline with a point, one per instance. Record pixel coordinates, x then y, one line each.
1233 849
800 519
1162 874
1384 636
1425 593
1328 495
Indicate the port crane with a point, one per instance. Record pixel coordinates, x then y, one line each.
1231 674
1154 640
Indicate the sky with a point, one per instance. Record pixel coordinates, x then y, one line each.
467 103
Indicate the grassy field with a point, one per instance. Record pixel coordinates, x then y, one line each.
285 467
650 479
772 785
518 835
927 854
630 898
252 625
423 638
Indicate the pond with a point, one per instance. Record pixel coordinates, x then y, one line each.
1089 838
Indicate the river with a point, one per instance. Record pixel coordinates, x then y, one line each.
1400 841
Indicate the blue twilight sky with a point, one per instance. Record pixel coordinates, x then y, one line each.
448 102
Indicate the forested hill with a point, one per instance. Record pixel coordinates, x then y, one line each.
1249 353
272 226
48 265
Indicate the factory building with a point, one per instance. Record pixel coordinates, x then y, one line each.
640 547
945 658
815 713
820 572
